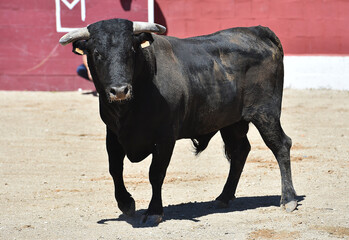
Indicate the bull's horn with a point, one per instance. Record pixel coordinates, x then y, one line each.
139 27
78 34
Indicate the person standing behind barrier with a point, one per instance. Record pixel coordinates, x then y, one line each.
83 71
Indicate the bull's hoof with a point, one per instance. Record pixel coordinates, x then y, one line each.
151 220
128 209
291 206
222 203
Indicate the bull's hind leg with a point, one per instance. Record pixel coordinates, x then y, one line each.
279 143
237 148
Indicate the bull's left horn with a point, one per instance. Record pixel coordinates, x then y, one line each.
78 34
139 27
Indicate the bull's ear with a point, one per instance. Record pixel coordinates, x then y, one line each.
80 47
143 40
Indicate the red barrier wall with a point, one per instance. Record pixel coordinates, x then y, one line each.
30 56
31 59
304 26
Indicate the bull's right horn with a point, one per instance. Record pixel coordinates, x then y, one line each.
78 34
139 27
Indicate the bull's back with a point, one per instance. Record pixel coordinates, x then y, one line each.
208 74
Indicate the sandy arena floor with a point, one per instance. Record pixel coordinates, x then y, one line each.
55 182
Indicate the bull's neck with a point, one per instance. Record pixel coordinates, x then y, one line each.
144 66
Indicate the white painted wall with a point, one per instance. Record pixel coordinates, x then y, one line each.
304 72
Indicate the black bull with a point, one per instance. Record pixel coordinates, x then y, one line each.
155 89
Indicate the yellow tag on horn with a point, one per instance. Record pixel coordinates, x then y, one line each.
145 44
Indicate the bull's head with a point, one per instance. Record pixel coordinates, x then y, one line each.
111 46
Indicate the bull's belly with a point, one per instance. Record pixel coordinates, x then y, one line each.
205 122
216 105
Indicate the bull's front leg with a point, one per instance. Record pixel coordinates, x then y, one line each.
161 158
116 156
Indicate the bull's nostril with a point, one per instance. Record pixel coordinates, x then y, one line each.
126 90
113 91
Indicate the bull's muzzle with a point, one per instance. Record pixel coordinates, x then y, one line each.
119 93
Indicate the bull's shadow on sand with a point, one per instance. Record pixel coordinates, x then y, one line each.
194 210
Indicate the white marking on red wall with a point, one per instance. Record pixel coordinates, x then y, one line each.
69 5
